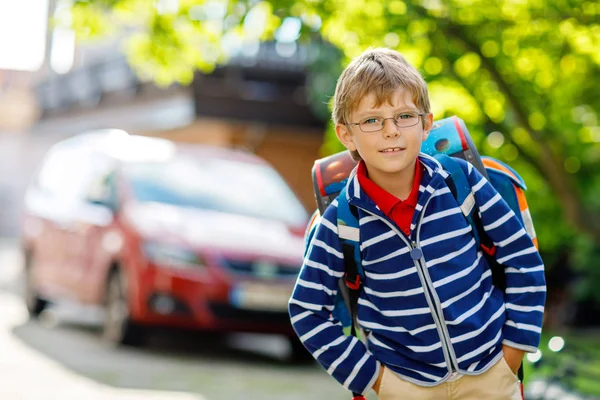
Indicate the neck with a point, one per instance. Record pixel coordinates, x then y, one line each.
398 184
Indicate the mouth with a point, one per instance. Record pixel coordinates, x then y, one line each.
392 150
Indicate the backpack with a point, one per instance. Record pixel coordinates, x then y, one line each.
448 139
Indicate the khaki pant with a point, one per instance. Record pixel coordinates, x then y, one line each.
497 383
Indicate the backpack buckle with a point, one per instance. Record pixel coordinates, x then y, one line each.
490 251
352 285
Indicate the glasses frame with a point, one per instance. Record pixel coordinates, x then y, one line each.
384 119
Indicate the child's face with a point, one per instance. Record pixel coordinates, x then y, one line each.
404 143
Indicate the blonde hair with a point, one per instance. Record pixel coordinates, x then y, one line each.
379 71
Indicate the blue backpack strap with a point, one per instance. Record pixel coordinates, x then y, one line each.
345 214
349 234
462 192
350 284
348 231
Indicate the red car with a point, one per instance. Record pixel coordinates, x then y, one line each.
153 233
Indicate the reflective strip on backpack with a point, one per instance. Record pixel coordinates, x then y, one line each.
528 222
467 205
348 233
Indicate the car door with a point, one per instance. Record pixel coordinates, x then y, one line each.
49 204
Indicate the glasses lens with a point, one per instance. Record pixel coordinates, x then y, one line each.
407 119
371 124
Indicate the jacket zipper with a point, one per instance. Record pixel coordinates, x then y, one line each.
437 306
419 263
445 336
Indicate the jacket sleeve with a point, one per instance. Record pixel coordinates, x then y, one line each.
525 293
346 358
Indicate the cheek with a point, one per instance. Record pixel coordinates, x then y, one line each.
362 143
418 139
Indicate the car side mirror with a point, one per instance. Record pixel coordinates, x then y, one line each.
100 194
104 203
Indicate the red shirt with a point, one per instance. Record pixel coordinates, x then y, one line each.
401 212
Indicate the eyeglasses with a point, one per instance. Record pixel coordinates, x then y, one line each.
402 120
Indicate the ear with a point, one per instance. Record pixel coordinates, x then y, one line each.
345 136
427 125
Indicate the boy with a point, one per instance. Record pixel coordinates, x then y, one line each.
435 326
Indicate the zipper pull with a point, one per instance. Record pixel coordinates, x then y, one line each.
416 252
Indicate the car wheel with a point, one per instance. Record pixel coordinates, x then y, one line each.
298 353
118 328
34 303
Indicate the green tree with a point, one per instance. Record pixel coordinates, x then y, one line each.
523 74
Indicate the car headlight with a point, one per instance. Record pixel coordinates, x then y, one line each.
172 256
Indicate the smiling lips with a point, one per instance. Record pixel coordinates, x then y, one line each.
392 150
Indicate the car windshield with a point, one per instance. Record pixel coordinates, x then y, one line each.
217 184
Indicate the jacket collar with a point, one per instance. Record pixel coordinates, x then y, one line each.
433 178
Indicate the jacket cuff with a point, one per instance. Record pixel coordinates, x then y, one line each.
378 367
521 336
525 348
363 379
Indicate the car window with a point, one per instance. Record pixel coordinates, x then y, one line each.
69 172
217 184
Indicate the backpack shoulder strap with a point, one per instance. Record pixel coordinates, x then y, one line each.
351 282
347 225
463 194
349 234
347 217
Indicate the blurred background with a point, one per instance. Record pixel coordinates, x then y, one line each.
168 230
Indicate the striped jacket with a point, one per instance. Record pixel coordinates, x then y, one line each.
426 318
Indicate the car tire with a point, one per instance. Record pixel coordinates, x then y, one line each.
118 328
298 353
34 303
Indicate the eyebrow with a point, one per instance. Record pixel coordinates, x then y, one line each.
374 113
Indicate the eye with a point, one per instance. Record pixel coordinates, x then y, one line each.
405 116
370 121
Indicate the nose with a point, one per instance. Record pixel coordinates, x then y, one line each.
390 129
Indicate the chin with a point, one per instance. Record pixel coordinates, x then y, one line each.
398 164
393 169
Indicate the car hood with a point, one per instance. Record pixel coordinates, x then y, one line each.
217 231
